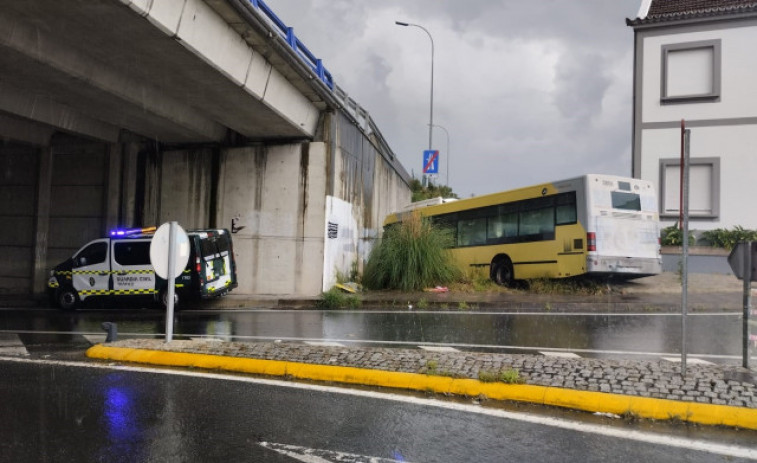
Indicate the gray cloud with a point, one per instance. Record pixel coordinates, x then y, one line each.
529 91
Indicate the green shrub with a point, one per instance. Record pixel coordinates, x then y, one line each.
728 239
673 236
411 256
336 299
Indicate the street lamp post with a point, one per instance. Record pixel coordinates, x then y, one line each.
447 154
431 109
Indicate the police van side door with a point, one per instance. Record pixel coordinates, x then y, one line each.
132 272
90 274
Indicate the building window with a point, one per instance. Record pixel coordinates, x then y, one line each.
691 72
704 188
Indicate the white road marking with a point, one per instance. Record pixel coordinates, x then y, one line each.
616 433
11 344
689 360
439 348
308 455
565 355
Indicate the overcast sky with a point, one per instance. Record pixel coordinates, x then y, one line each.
529 91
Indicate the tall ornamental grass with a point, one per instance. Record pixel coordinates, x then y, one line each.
411 255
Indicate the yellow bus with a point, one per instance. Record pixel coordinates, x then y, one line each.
595 224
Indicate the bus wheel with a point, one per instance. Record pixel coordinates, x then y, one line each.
67 298
502 272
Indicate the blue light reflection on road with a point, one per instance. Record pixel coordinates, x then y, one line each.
119 411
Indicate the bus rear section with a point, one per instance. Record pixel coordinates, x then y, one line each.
623 227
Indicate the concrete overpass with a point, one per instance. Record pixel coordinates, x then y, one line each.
136 112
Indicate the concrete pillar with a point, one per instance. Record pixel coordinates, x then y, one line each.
129 176
42 220
112 188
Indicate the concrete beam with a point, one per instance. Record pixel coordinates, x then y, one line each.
85 79
14 128
42 108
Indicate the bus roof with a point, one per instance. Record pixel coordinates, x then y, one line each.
532 191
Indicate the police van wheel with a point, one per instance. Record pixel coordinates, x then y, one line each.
67 298
164 299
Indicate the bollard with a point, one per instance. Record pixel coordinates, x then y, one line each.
112 331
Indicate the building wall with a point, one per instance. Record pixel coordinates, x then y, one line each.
18 188
277 194
723 128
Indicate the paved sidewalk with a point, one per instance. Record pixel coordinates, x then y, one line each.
708 394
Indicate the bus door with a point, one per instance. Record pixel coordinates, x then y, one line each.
90 274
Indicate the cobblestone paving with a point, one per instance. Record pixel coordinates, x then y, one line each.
658 379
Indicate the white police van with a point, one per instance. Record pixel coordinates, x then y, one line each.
119 266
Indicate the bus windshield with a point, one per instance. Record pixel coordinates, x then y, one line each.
626 201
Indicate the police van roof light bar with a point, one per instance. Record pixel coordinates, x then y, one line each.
131 231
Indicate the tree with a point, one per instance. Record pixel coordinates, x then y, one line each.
431 191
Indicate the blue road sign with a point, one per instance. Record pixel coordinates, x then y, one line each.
431 162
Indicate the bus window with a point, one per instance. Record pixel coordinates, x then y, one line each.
471 232
503 227
626 201
448 221
565 212
538 224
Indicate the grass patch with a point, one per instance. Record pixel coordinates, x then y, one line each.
507 376
432 369
423 304
411 255
577 286
337 299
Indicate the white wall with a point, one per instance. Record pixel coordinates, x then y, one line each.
737 149
738 73
725 128
278 193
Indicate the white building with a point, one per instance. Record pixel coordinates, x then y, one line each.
695 60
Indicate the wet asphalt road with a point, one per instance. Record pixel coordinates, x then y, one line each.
71 413
716 337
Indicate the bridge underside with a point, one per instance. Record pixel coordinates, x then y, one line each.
178 75
135 112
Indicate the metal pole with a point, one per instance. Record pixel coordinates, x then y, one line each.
685 251
747 302
431 108
171 281
447 135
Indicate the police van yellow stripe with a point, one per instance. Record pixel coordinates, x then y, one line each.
115 292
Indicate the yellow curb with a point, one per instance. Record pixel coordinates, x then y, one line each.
643 407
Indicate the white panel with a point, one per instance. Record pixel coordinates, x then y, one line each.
166 14
257 75
700 189
205 33
284 97
690 72
140 6
340 248
672 189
